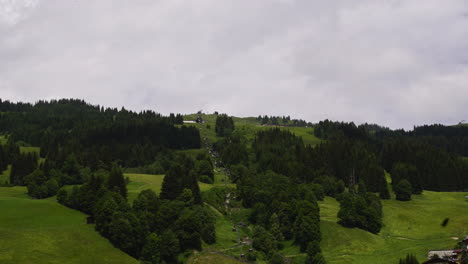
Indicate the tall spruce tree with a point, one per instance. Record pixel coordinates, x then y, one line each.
171 188
116 181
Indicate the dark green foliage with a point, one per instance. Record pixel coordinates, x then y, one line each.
277 258
283 121
71 170
314 254
169 246
360 210
275 228
8 153
22 166
331 186
207 221
224 125
306 230
204 170
40 186
96 136
409 259
62 196
150 254
146 207
402 171
232 149
316 259
116 181
384 193
436 168
318 191
127 233
403 190
170 188
103 213
180 176
264 241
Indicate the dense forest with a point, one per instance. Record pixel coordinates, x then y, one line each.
278 178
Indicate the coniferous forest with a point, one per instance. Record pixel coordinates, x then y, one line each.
275 179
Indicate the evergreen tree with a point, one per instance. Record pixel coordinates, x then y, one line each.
275 228
306 229
169 246
403 190
116 181
150 254
409 259
146 207
62 196
22 166
224 125
313 249
171 188
277 258
316 259
264 241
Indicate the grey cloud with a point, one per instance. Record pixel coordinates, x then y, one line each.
394 62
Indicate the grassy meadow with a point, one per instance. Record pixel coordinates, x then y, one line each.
409 227
140 182
43 231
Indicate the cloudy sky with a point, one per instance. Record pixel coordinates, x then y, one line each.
396 63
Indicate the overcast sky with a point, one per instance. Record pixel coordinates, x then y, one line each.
396 63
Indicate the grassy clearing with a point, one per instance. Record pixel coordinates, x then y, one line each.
140 182
43 231
409 227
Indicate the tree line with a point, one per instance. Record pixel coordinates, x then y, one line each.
282 121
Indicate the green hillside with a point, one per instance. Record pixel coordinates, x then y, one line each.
409 227
140 182
248 126
43 231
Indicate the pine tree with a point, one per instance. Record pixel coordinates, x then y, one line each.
150 254
275 228
171 188
306 229
169 246
116 181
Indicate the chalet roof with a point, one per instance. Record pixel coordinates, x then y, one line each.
441 253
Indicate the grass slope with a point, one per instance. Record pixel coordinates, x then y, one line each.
43 231
140 182
409 227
